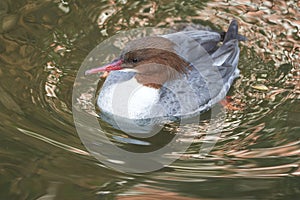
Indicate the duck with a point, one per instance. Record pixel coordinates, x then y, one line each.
169 77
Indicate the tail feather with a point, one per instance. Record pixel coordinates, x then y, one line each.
227 55
232 33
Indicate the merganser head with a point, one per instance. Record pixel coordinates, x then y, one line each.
152 58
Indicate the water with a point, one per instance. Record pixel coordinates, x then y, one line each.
42 45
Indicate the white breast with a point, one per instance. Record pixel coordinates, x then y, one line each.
130 99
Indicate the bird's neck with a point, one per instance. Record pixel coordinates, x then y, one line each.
150 80
156 78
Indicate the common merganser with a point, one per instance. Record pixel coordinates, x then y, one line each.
170 76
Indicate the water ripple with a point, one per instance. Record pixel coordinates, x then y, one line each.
42 45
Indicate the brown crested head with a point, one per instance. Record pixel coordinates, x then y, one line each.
154 60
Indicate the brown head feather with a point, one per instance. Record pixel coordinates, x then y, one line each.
155 61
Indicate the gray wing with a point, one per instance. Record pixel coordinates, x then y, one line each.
215 69
207 39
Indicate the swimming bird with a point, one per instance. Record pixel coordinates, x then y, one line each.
170 76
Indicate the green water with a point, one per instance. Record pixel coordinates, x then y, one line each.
42 46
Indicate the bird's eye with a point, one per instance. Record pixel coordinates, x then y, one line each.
134 60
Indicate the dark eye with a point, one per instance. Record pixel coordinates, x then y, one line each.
134 60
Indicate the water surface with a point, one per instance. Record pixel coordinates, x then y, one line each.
42 46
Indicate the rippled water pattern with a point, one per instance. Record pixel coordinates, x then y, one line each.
42 45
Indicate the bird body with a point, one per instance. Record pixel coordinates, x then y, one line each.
170 76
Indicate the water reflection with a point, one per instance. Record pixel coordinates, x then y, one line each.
42 44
